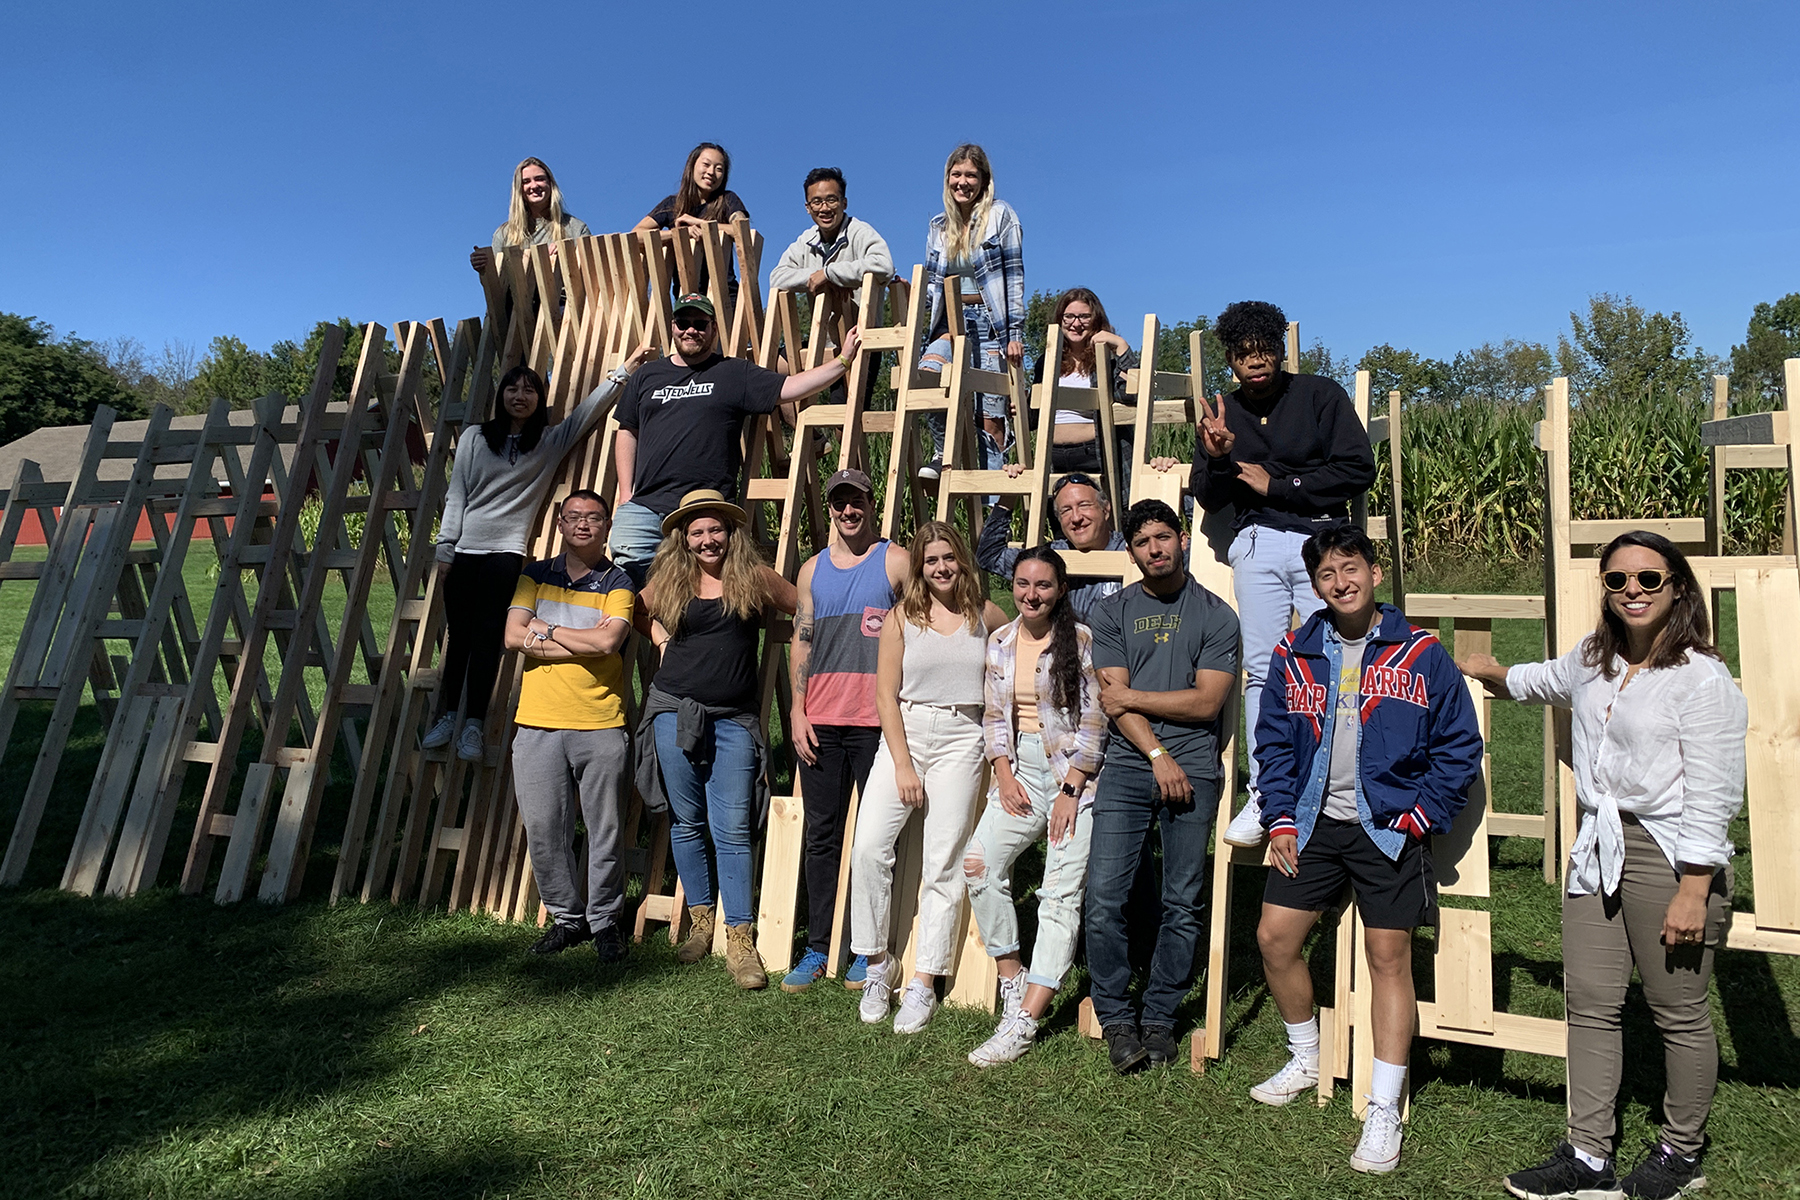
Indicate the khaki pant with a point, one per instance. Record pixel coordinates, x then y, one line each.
1603 937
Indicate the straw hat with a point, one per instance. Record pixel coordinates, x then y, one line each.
704 500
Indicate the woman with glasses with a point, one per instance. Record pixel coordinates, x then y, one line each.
1658 729
1075 438
978 239
929 676
503 472
700 736
1046 733
535 216
702 197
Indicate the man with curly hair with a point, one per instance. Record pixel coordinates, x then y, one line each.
1286 453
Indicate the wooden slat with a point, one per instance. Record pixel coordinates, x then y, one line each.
1492 608
1768 615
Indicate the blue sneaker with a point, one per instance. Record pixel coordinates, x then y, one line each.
809 971
859 971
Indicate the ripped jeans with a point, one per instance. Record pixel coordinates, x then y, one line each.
987 352
998 841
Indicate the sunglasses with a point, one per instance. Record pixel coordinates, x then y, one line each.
1648 581
693 324
847 500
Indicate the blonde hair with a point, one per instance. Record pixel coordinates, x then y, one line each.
520 224
967 595
957 233
674 578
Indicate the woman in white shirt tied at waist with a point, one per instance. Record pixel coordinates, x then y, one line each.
1658 732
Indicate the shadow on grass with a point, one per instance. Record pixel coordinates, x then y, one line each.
128 1022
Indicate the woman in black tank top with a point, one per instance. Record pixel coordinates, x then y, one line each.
703 608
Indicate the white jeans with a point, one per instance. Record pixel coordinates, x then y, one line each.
997 844
946 749
1271 583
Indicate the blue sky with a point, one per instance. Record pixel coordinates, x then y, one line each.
1432 176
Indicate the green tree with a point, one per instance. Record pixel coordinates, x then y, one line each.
44 382
1622 352
1772 338
231 371
1412 375
1510 373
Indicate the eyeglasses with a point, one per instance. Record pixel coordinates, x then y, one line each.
1083 318
1649 581
821 203
693 324
584 520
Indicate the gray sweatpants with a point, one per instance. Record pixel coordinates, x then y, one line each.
1603 936
550 767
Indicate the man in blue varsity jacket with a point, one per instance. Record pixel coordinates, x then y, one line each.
1367 742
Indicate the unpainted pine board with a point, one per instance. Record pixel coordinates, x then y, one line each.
1768 615
1460 857
146 830
840 953
780 892
1464 970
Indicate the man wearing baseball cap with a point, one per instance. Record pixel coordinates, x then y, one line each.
680 426
845 593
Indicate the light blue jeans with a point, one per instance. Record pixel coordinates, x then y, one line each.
1271 583
636 533
709 798
999 840
987 354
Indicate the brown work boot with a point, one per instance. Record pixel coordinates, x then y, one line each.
742 960
699 938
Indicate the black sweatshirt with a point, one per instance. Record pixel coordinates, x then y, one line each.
1308 438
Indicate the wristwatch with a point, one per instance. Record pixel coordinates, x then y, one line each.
549 632
1067 790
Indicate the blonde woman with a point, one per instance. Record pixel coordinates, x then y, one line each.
929 680
978 239
703 609
534 218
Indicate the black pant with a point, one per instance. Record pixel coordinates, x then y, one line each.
1085 457
477 593
845 754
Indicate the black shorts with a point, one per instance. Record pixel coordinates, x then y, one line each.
1390 893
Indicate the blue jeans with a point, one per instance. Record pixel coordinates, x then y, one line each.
1271 583
986 353
1127 805
711 795
636 533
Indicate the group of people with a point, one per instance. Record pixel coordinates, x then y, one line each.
1100 712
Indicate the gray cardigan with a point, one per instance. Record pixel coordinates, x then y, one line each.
492 502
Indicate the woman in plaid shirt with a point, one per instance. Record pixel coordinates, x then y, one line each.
978 239
1045 734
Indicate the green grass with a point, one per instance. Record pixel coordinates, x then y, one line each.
166 1047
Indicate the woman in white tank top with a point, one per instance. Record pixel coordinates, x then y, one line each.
929 691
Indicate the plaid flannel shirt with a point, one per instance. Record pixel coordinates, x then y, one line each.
1000 257
1079 747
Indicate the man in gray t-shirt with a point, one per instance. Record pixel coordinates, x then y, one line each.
1166 650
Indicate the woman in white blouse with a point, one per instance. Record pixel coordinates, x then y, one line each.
1658 732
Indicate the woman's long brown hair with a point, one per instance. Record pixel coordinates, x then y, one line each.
1081 360
688 200
674 578
968 595
1688 628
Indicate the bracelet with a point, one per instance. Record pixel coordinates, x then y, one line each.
844 361
1157 753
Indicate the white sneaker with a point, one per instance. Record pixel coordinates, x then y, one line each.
440 732
916 1007
1009 1043
1246 828
1287 1084
1012 996
1378 1150
931 470
470 747
873 1007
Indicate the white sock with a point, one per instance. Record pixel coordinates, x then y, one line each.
1303 1040
1386 1083
1590 1161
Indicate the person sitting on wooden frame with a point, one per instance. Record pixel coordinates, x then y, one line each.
535 216
1286 453
702 197
1658 731
1368 743
838 250
1075 436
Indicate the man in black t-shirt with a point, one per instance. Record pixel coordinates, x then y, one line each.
1287 454
1166 650
681 426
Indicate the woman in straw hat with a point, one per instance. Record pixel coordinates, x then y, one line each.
703 608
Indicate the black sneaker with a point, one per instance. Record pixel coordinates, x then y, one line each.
932 469
1663 1175
1562 1176
1124 1049
560 938
610 945
1160 1044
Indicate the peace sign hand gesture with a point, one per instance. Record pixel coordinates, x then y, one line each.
1215 438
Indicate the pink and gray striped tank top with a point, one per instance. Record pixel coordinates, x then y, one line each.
849 608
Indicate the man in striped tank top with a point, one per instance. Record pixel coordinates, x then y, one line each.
845 593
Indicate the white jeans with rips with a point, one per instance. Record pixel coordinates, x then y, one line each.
999 840
1271 583
946 748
